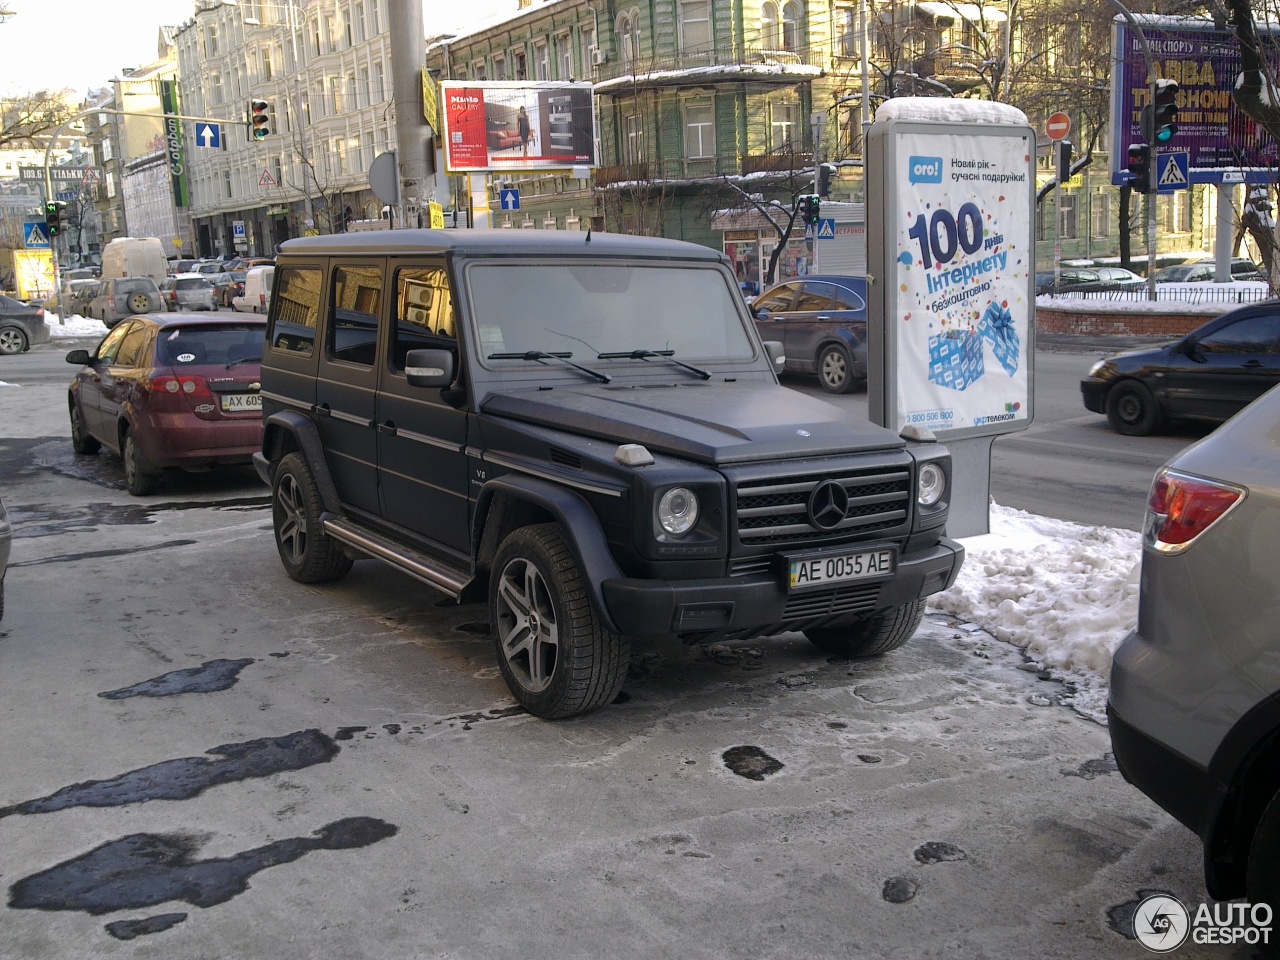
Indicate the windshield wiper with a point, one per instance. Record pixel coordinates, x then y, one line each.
234 363
562 357
646 354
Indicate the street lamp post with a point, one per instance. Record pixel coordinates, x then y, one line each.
295 105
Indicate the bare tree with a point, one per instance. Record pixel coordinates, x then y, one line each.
30 120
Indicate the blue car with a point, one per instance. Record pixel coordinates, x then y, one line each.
821 322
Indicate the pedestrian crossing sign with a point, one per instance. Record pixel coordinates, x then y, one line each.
1172 171
827 228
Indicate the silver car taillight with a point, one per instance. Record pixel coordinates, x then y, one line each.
1182 507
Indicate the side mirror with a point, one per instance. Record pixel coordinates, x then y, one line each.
776 354
429 368
79 357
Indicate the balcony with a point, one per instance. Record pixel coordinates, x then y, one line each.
728 64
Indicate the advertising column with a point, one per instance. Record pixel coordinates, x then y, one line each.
952 327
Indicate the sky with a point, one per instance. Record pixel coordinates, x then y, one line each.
82 44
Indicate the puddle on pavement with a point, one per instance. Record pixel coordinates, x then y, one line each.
899 890
187 777
146 869
935 851
210 677
128 929
1093 768
100 554
49 519
1120 917
751 762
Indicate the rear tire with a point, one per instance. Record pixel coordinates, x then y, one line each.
308 553
556 657
81 442
835 369
872 636
1131 409
1262 878
141 477
12 341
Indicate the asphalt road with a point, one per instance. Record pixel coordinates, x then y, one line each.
204 759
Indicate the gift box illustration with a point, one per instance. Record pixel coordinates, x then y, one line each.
996 327
955 359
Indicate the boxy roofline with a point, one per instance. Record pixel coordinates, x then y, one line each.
497 243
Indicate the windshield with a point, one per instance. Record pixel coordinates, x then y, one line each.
592 308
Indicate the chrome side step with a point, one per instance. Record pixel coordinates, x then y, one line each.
418 565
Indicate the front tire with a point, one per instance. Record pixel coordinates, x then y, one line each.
835 369
308 553
141 477
871 636
81 442
1132 410
12 341
556 657
1262 879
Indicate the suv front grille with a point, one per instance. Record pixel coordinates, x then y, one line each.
775 510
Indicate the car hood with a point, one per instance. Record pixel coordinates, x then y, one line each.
713 423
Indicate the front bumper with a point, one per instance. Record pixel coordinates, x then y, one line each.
1094 394
760 604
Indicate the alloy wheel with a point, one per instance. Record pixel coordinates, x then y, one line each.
293 530
527 628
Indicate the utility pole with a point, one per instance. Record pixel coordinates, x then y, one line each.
413 133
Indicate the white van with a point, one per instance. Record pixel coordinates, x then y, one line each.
257 290
135 257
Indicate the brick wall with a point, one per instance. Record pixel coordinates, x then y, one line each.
1051 320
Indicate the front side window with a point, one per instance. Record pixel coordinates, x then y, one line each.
586 309
1259 334
357 302
699 129
295 308
423 312
110 345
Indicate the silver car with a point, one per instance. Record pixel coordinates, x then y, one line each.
120 297
188 291
1194 708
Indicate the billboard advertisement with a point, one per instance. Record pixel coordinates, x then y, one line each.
1205 64
493 126
959 263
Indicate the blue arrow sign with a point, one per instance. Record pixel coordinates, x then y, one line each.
827 228
35 236
209 134
510 198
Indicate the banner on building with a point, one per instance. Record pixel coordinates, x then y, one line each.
516 125
173 142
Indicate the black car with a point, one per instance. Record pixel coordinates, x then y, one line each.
21 325
1209 374
821 322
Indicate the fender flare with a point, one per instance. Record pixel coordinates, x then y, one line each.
581 529
307 439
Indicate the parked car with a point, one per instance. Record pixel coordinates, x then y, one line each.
120 297
178 267
81 296
1194 702
1118 277
1207 375
67 299
1069 280
821 322
228 289
191 291
256 296
21 325
645 475
165 391
1241 269
6 540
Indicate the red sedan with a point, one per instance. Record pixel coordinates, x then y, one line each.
170 392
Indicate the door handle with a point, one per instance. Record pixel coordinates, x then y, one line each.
387 426
1252 363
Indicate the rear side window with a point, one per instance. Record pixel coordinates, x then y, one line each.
295 309
357 301
132 350
208 343
193 284
134 284
423 312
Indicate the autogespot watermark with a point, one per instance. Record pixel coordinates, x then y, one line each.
1162 924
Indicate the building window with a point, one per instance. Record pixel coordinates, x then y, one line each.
215 88
364 86
769 25
782 126
632 139
695 26
1067 212
628 36
790 26
226 184
348 28
379 87
499 68
478 71
267 72
845 20
522 70
1176 210
588 49
699 129
359 18
564 57
541 62
1100 214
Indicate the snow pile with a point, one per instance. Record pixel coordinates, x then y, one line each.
949 110
1063 593
75 326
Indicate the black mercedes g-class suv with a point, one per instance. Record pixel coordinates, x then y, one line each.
585 430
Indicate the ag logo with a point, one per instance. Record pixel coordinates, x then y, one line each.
1161 923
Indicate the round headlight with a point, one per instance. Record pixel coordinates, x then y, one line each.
930 485
678 510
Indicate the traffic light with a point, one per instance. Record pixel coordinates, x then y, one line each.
825 171
1140 166
259 119
53 217
809 209
1064 161
1160 119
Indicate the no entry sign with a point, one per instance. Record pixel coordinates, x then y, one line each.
1057 126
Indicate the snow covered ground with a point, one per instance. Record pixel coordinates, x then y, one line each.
1062 593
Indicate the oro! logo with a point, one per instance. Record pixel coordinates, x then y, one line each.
924 169
1161 923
